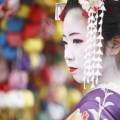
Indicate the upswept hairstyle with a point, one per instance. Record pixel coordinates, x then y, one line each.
111 20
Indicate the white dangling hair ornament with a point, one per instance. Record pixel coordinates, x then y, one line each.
93 52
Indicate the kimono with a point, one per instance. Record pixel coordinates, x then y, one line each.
100 104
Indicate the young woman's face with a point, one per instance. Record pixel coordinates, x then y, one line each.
74 40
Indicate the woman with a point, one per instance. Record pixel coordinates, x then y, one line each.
103 102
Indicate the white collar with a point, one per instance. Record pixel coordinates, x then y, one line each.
114 86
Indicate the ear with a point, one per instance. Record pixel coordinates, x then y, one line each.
113 46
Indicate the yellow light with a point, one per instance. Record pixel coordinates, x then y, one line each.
33 45
23 11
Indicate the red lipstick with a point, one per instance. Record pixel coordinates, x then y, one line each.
72 69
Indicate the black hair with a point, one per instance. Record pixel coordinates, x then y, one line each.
111 20
71 4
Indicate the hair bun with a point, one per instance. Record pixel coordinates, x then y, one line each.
111 20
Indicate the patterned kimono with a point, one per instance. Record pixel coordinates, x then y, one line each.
100 104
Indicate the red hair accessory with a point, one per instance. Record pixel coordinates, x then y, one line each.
60 11
62 15
85 13
95 9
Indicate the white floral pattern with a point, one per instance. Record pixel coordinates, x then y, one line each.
102 105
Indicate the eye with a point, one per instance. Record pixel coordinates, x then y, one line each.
63 43
77 41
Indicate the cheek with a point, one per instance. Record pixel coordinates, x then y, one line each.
80 53
78 77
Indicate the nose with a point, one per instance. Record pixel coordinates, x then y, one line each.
68 54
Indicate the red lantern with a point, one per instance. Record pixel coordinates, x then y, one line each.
14 39
45 75
4 86
37 14
4 73
31 30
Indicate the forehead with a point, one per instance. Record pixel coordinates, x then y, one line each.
74 22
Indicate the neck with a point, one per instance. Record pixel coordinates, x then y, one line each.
111 75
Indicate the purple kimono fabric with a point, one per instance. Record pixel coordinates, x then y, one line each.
101 104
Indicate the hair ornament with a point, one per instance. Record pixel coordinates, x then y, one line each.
93 52
60 11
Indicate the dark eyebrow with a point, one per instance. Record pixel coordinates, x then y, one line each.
75 33
71 34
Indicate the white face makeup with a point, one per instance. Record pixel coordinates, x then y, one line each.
74 39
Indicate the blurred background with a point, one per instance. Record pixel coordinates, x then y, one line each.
34 81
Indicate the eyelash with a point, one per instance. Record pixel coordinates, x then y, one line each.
63 43
77 41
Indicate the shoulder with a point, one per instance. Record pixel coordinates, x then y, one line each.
103 102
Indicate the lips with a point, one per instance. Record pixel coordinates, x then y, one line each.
72 69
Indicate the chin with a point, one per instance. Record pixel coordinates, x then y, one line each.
78 78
